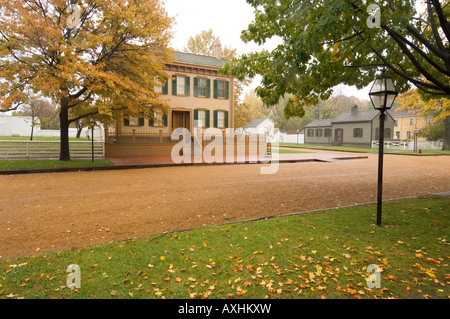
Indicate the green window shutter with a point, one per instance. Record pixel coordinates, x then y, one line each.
165 89
227 90
195 87
226 119
215 89
208 89
187 86
141 121
215 118
207 118
195 118
174 85
126 122
165 120
151 122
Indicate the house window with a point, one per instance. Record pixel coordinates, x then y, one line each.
358 132
318 132
201 87
397 134
158 119
158 88
411 121
221 89
396 122
327 132
408 135
201 118
133 121
310 132
220 119
387 133
180 85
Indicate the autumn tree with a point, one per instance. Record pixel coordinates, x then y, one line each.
324 44
439 109
205 43
97 58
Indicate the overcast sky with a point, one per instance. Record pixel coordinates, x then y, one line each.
227 19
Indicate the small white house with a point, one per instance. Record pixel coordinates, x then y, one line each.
294 137
21 126
263 126
15 125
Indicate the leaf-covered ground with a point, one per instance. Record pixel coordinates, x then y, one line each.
324 254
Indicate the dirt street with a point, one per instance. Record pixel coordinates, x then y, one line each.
52 211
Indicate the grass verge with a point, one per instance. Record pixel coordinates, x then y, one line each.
323 254
11 165
40 138
363 150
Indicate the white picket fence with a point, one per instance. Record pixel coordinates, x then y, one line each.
48 149
391 145
409 145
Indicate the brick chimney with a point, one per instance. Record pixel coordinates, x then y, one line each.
354 109
218 51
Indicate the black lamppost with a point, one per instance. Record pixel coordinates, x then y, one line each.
382 94
92 124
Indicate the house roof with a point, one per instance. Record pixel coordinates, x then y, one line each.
190 58
257 121
358 116
320 123
402 113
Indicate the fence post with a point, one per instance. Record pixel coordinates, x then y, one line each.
160 136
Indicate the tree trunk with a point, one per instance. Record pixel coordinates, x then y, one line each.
80 126
64 153
446 146
31 136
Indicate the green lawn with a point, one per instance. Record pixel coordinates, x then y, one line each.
363 150
323 254
39 138
284 151
9 165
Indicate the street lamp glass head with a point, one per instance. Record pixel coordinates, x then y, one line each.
383 93
92 121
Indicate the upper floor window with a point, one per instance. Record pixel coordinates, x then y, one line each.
202 87
162 88
221 89
180 85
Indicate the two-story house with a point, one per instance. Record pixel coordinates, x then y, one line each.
199 97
